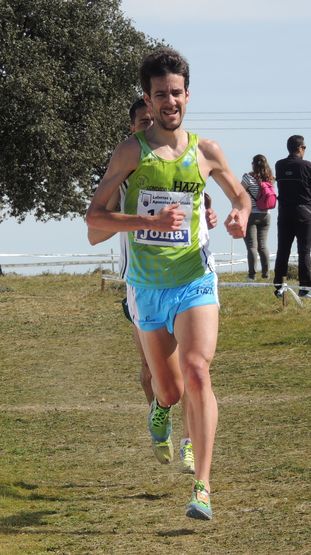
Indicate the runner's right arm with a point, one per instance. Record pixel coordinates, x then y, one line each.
96 236
123 162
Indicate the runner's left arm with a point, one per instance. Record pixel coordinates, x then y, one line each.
215 164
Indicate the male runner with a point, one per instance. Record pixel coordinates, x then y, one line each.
171 284
141 119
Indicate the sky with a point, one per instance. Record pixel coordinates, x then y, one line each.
250 84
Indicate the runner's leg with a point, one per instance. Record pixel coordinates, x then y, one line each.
161 353
145 374
196 332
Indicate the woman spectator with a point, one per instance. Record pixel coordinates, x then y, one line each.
259 220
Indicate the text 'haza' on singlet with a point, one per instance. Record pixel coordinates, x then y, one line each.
166 259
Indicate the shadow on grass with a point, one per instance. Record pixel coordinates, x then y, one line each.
9 524
74 485
34 523
144 495
12 491
25 523
175 533
23 485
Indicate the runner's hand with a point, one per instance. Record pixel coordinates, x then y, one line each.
211 218
169 218
236 223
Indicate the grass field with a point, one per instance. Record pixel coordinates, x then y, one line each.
77 472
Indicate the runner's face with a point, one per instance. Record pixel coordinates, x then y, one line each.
143 119
168 99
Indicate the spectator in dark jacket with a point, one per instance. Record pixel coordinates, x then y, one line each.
293 176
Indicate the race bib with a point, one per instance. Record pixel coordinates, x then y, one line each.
150 203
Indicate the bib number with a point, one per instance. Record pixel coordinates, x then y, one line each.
150 203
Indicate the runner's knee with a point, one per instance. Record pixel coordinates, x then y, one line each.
170 396
196 371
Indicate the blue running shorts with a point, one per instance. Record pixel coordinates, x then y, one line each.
151 309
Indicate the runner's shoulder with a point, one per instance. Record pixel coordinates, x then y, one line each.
128 152
209 148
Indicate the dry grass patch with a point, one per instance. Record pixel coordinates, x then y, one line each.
78 474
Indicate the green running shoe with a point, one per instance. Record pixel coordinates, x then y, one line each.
187 456
163 450
159 422
200 504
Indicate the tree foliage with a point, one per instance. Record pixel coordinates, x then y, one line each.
68 73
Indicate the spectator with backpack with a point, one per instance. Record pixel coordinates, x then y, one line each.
259 185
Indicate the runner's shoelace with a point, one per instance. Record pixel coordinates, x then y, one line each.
160 416
199 485
188 454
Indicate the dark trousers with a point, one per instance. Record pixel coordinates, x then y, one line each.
256 242
294 223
